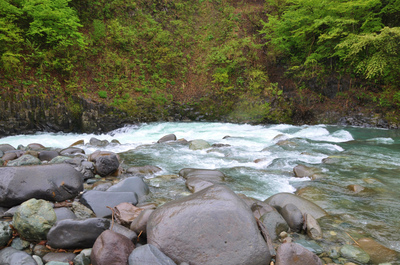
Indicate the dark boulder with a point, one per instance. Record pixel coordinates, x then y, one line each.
63 213
111 248
106 165
56 182
149 254
212 226
76 233
98 201
133 184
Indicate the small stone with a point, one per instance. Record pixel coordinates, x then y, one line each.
356 188
37 259
5 233
34 218
314 231
81 211
11 256
59 257
19 244
166 138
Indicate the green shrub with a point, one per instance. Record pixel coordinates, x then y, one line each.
102 94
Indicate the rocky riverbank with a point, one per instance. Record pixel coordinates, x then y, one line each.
62 206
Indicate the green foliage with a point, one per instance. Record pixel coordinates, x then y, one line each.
102 94
318 35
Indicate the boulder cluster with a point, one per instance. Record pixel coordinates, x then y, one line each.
62 207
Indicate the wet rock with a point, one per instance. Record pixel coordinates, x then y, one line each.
97 142
310 245
82 259
59 160
149 254
72 151
35 147
87 169
293 217
279 200
313 229
274 223
195 184
139 224
37 259
260 208
6 147
106 165
60 257
24 160
212 175
356 188
125 213
11 155
354 253
63 213
295 254
111 248
81 211
79 142
19 243
40 250
11 256
58 182
98 201
146 170
47 155
5 233
76 233
117 228
166 138
377 252
135 185
302 171
34 218
214 217
199 145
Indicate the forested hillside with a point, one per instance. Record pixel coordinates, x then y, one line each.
253 60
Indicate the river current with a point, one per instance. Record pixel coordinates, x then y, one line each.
259 162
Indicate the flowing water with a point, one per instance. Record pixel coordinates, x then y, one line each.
363 156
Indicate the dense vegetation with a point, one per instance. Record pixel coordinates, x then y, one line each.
245 60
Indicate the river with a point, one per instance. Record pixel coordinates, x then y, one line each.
364 156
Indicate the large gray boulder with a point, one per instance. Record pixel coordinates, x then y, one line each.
70 233
133 184
56 182
166 138
99 201
295 254
34 218
212 226
279 200
149 254
12 256
6 147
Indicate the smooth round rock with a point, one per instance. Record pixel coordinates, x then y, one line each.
6 147
149 254
199 145
64 213
293 217
59 257
166 138
279 200
34 218
139 224
295 254
212 226
111 248
212 175
47 155
106 165
377 252
195 184
11 256
274 223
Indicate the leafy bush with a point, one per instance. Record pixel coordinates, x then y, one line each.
102 94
